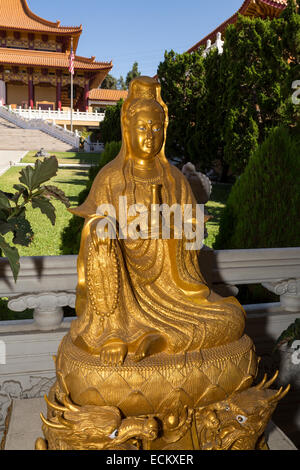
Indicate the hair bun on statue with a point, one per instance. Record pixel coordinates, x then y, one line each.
144 87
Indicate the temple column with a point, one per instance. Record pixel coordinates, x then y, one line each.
86 95
30 92
58 94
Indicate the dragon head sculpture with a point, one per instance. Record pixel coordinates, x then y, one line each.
93 427
239 422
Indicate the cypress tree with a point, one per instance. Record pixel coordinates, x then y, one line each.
263 207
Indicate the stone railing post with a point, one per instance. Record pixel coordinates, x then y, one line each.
48 307
289 292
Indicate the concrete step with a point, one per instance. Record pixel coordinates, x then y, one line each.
15 138
7 124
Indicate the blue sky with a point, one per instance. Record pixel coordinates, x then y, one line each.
137 30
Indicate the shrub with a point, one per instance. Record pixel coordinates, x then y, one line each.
70 241
110 128
263 207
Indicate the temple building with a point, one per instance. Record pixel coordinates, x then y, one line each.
34 61
100 98
253 8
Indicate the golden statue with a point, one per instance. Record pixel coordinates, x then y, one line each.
154 357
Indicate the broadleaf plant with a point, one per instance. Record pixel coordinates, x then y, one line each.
291 334
13 207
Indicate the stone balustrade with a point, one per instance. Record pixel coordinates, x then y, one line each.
58 115
218 44
47 284
61 133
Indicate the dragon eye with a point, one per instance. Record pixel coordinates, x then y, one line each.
227 408
241 419
114 434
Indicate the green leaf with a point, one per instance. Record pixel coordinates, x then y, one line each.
12 254
4 227
17 212
42 171
45 207
21 228
20 187
21 190
4 201
9 196
56 193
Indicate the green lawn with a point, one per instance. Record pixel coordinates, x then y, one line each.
215 206
47 238
67 157
72 182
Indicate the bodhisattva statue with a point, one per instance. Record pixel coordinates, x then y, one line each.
155 359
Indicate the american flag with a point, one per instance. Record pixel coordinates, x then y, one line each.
71 62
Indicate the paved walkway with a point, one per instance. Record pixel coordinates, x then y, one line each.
7 156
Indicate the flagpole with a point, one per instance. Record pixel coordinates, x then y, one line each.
72 91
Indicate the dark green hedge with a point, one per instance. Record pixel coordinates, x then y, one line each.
263 207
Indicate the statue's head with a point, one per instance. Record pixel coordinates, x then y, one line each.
146 128
144 120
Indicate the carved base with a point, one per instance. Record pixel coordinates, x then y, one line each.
197 401
200 378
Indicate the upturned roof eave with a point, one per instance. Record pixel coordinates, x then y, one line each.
14 58
242 10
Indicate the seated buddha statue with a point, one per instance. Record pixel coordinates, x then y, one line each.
147 295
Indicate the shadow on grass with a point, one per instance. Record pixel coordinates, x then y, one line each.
73 180
82 159
73 198
80 182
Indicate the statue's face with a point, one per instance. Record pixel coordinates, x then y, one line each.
147 131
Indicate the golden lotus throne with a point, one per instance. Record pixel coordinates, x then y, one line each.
154 360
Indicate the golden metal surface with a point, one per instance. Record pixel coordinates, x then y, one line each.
154 356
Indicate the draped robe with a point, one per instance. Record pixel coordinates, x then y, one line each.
147 285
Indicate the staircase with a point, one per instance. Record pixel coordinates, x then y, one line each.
15 138
17 133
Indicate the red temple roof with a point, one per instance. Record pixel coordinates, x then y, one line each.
15 14
259 8
102 94
48 59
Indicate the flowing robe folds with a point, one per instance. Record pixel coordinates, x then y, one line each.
142 286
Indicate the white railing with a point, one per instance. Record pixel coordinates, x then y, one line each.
96 147
61 133
47 284
219 44
93 146
53 115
